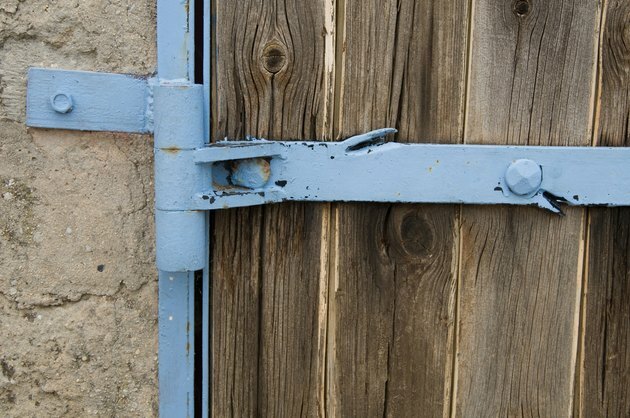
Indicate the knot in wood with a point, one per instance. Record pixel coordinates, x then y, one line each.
521 8
416 235
410 236
274 57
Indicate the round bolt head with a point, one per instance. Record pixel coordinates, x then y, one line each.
523 177
61 102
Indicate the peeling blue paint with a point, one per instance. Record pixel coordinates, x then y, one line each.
366 169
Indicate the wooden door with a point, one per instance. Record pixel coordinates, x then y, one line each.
362 310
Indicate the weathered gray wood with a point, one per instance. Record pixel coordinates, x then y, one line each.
605 379
393 278
382 340
273 79
531 81
606 351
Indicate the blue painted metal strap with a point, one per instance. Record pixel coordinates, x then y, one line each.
87 101
177 342
182 235
175 43
366 169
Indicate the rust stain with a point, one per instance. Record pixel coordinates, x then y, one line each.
171 150
250 172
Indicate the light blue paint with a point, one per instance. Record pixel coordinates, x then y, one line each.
182 235
179 115
177 178
207 287
361 170
180 239
94 101
524 177
61 102
206 330
174 39
179 129
207 40
251 173
190 38
176 344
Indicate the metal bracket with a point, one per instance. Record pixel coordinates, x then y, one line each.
192 177
364 168
88 101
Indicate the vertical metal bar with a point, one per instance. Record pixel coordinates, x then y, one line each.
176 338
207 288
173 37
190 39
206 332
176 290
181 241
207 40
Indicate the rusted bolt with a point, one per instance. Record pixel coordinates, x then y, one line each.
61 102
274 57
523 177
252 173
521 8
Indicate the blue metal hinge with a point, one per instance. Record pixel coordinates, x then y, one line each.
192 177
88 101
365 168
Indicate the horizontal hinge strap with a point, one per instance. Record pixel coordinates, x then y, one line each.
366 169
88 101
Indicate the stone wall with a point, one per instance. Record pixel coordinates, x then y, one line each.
78 290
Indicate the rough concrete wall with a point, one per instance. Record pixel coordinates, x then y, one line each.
78 292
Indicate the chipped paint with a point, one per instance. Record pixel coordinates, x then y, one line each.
366 168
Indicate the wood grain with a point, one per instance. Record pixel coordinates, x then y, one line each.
392 302
606 349
273 77
531 82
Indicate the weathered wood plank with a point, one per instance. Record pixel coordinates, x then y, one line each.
605 353
393 282
531 81
273 79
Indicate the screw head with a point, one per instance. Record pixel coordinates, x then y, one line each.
61 102
523 177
